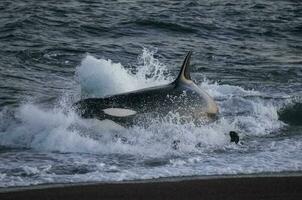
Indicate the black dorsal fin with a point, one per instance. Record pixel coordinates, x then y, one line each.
184 73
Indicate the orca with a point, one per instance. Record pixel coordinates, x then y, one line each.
182 96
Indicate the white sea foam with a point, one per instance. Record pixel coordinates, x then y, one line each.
60 129
101 77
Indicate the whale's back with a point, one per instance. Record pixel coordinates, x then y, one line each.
182 96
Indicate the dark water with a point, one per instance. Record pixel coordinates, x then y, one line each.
247 54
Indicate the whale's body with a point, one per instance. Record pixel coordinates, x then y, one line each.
182 96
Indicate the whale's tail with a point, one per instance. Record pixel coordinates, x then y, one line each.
184 74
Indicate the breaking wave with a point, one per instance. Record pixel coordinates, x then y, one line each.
68 148
60 129
101 77
292 113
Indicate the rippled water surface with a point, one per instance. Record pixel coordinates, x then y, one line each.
247 55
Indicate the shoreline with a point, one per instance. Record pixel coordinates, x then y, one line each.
263 186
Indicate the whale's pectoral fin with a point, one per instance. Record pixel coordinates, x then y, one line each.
184 74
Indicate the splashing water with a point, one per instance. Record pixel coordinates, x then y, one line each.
101 77
116 153
43 129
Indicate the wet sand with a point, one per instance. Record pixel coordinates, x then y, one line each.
286 187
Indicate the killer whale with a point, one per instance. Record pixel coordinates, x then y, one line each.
182 96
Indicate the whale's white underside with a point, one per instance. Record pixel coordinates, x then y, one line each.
119 112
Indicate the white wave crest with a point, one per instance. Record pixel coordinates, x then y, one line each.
58 130
101 77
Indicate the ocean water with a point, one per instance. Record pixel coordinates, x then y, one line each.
247 56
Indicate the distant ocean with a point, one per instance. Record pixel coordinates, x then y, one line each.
247 55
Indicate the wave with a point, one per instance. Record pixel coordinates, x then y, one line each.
53 144
169 26
60 129
101 77
291 114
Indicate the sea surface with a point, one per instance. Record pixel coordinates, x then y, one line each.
247 56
